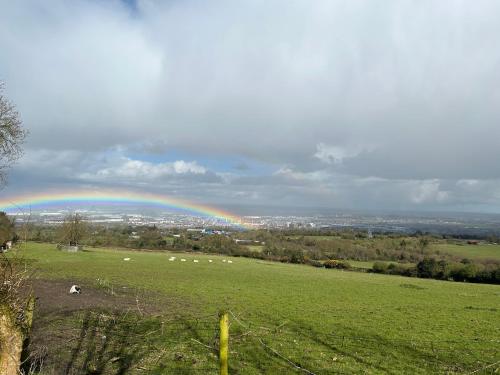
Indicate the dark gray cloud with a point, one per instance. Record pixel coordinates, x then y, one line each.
347 102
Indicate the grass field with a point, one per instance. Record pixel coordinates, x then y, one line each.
481 251
327 321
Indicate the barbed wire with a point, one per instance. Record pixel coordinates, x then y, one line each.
434 348
274 351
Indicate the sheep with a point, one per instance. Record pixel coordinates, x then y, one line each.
230 261
210 261
183 260
171 260
195 260
223 260
126 259
75 289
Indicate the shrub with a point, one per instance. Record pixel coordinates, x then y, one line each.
465 273
379 267
315 263
428 268
338 264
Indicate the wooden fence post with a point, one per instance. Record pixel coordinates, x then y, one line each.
223 342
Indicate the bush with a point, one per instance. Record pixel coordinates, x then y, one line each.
338 264
380 267
315 263
429 268
466 272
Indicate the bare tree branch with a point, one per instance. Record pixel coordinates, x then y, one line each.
12 135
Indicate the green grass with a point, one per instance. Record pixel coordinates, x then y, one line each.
328 321
481 251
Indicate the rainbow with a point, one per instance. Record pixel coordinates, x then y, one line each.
36 200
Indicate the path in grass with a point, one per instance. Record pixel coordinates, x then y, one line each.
328 321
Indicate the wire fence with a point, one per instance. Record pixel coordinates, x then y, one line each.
100 343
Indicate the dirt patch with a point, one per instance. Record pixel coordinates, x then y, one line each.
53 297
68 330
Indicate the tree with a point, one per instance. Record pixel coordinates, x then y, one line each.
12 135
428 268
73 230
6 228
16 311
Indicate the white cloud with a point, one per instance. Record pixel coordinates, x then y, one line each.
307 85
136 169
289 173
427 192
336 154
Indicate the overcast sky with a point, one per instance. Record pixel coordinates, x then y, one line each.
342 104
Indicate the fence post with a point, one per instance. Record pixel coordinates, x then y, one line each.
223 341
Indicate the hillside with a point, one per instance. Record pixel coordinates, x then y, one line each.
326 321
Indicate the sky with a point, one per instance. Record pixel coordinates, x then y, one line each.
348 104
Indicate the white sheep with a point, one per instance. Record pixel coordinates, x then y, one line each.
195 260
171 260
183 260
75 289
230 261
223 260
126 259
210 261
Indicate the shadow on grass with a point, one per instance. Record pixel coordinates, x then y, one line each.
300 347
103 344
89 342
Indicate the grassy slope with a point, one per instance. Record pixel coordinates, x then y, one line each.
470 251
330 321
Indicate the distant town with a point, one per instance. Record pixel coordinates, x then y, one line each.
450 223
